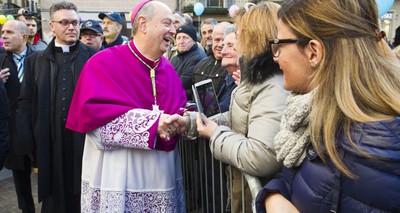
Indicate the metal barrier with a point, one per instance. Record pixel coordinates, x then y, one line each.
208 183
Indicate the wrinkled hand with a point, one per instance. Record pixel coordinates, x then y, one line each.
236 77
275 202
170 125
164 130
205 126
178 122
4 74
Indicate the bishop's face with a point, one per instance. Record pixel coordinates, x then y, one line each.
160 29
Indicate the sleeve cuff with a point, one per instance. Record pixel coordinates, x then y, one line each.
275 185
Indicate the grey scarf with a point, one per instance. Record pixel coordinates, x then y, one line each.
292 139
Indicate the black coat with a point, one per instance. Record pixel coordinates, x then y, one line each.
210 68
36 124
15 162
184 64
4 115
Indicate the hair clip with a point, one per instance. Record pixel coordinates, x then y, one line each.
379 34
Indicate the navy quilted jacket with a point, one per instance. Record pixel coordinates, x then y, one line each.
315 187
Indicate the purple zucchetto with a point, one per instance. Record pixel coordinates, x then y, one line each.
136 9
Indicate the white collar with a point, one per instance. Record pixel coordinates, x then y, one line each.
64 47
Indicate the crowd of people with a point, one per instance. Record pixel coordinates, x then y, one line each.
308 91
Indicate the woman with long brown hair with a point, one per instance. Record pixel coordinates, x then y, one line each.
340 134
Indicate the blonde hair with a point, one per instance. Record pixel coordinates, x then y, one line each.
358 79
255 28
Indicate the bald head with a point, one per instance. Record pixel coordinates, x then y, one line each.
147 11
153 31
18 25
14 35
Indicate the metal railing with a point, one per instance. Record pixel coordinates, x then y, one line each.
208 182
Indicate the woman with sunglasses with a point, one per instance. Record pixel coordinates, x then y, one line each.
340 134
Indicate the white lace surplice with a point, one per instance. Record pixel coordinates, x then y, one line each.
119 178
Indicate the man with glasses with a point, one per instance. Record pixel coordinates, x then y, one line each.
91 34
46 91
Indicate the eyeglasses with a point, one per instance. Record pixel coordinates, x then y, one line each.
66 23
91 35
274 44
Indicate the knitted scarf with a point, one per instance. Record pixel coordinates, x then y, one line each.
291 141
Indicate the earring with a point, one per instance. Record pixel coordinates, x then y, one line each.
313 64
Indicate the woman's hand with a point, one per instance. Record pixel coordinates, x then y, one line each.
236 77
180 123
205 126
275 202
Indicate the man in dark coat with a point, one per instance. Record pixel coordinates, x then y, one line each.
4 115
49 82
15 37
189 54
210 67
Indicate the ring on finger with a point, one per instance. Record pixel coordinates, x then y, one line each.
169 130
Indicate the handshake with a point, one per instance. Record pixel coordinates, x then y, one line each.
171 125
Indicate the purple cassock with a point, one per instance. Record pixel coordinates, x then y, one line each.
126 166
107 90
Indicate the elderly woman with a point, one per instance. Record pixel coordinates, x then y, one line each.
230 62
245 141
340 135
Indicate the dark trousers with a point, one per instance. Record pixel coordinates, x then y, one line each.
23 188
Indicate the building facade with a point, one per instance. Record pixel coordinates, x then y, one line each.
89 9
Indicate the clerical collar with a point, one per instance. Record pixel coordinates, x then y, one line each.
148 61
64 47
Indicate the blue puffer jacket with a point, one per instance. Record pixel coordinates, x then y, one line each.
315 187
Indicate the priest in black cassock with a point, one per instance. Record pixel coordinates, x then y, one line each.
46 92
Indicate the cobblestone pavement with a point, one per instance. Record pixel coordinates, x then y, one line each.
8 197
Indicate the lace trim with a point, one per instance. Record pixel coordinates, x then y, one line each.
130 130
96 200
